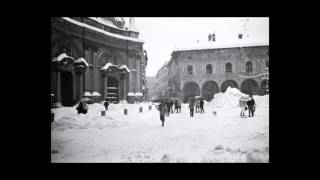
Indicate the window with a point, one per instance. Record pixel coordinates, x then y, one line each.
228 68
249 67
190 70
267 64
209 69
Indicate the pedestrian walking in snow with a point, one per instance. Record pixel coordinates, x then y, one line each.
242 104
201 106
197 105
82 107
191 107
251 106
179 106
168 108
162 108
176 106
171 106
106 104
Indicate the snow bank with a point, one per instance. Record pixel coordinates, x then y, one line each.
230 99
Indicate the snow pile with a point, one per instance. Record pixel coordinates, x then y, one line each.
227 100
67 118
230 99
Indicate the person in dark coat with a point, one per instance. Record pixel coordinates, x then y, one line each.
106 104
176 106
162 109
82 107
201 106
191 107
171 106
168 108
179 106
251 106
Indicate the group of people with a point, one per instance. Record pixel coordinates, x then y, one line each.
247 105
165 108
199 106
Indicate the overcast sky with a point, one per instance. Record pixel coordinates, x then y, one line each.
161 35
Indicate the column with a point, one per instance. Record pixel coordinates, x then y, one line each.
138 74
58 89
87 74
105 87
95 72
131 74
81 85
125 88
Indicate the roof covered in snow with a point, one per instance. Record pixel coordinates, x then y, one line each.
82 60
101 31
61 57
124 67
108 65
134 94
215 45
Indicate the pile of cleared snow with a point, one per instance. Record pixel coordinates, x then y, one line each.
67 118
230 99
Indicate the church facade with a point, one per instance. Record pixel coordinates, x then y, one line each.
99 58
205 71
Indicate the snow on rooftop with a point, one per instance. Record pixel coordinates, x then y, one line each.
124 67
61 57
217 45
101 31
105 22
107 66
82 60
135 94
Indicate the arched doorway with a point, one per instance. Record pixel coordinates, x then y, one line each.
190 89
209 88
264 87
249 87
66 88
228 83
112 90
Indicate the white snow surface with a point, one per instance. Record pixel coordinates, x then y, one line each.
82 60
101 31
135 94
124 67
61 57
139 137
219 45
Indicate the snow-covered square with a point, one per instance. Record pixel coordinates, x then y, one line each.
139 137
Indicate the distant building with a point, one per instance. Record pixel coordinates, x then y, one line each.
207 70
151 86
112 64
162 81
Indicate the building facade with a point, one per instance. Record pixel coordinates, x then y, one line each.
105 60
205 71
161 83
